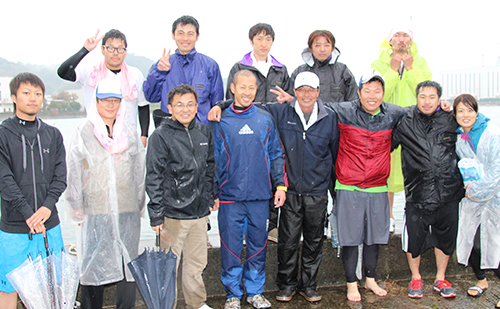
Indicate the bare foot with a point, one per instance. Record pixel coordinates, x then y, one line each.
352 292
371 285
483 284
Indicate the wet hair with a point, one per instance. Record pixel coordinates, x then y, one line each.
317 33
114 34
373 79
430 84
25 78
182 90
468 100
246 73
259 28
186 20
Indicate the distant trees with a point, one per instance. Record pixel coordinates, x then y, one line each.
63 102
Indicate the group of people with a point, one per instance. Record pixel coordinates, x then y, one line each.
278 142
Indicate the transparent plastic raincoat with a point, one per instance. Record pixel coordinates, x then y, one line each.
106 196
482 206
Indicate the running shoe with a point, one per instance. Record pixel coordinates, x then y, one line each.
415 288
444 288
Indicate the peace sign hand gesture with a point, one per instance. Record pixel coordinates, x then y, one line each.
164 62
92 42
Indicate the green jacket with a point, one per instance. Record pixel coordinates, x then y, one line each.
401 91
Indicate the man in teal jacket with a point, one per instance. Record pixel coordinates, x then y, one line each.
403 69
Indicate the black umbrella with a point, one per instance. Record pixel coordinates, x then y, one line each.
154 272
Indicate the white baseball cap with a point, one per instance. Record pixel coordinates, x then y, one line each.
369 75
306 79
109 88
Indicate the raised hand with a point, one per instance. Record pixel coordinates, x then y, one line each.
408 60
282 95
164 63
92 42
396 61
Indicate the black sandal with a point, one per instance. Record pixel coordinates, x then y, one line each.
477 289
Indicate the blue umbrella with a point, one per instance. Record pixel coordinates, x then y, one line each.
154 272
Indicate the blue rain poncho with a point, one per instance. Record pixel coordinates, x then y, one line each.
482 204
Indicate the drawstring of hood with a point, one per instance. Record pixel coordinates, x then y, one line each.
25 155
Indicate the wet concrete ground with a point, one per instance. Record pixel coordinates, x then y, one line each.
335 297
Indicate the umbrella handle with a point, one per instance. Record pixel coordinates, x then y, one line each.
158 240
46 242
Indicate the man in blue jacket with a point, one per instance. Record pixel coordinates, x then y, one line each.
185 66
270 73
249 159
310 137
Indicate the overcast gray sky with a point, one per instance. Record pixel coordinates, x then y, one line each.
449 34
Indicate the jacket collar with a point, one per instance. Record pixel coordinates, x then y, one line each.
186 58
308 57
321 108
247 60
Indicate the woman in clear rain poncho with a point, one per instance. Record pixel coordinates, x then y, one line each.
106 170
478 242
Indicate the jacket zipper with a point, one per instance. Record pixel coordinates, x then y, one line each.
176 185
34 177
196 165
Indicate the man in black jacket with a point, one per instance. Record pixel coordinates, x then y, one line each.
321 57
433 185
180 168
33 177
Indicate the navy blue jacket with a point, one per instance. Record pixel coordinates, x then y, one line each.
248 154
195 69
311 154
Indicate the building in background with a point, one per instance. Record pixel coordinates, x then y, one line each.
483 82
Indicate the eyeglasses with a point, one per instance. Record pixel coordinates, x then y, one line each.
111 101
190 105
111 49
302 90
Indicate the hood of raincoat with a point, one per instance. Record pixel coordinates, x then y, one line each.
308 56
473 136
385 50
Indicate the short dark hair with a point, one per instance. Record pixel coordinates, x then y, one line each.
468 100
182 90
114 34
373 79
430 84
261 27
317 33
25 78
186 20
